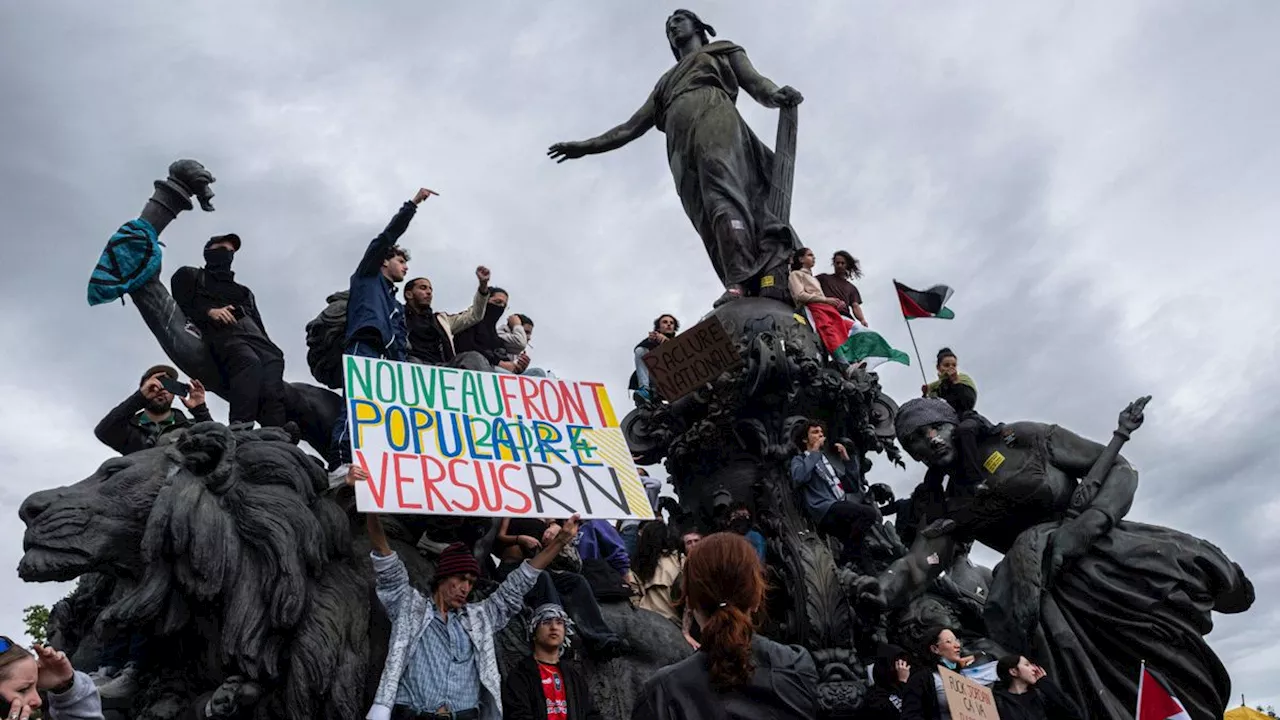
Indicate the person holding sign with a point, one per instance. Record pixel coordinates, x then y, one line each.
925 697
1024 693
441 656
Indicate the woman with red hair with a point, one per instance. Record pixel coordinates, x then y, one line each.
736 674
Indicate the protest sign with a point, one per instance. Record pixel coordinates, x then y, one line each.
691 359
966 699
447 441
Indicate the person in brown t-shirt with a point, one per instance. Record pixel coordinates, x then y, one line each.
837 285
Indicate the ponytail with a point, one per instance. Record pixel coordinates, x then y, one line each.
726 638
725 582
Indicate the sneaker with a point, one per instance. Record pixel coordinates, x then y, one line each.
338 475
104 675
123 686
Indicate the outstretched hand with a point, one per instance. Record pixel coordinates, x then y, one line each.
566 151
423 194
55 669
1131 417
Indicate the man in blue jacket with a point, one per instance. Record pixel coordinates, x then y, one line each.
828 490
375 318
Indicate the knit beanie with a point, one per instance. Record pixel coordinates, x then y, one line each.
456 560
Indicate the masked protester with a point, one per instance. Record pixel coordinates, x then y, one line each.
739 521
227 316
482 337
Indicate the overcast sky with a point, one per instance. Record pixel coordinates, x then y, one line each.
1096 180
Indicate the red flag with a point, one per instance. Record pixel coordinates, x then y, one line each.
1156 700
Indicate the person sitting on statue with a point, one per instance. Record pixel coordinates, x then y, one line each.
961 393
826 488
837 285
376 325
431 334
482 337
441 656
1024 693
923 698
147 415
546 685
520 538
665 327
737 674
516 334
24 677
227 316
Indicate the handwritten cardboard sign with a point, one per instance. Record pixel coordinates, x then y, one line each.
691 359
448 441
967 699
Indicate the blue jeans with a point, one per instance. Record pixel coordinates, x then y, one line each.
630 532
340 446
642 370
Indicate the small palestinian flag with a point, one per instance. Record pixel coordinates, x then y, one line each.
931 303
1156 700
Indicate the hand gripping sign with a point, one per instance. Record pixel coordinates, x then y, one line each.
447 441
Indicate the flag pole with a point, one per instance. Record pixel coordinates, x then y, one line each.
907 320
1142 674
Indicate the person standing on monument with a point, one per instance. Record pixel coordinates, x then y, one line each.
375 318
722 172
441 657
227 316
837 284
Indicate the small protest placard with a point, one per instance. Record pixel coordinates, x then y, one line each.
448 441
691 359
967 699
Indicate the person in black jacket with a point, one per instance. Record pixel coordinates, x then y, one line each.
665 327
736 674
961 393
146 415
226 313
1024 693
923 697
890 674
543 686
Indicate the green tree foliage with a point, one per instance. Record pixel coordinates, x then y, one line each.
36 618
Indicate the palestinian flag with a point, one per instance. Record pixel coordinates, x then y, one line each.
931 303
849 340
1156 700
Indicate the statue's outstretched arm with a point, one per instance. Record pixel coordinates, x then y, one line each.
765 91
1076 456
910 574
638 124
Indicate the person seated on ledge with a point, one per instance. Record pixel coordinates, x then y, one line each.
482 337
961 393
545 685
441 656
826 487
24 676
431 334
146 415
665 327
516 336
226 313
1024 693
837 285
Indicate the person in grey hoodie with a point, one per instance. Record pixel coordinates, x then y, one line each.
25 675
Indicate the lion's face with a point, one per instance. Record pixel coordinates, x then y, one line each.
95 525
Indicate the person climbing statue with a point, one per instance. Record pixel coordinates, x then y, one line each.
226 313
721 169
961 393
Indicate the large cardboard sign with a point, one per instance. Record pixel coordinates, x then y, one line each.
447 441
691 359
967 699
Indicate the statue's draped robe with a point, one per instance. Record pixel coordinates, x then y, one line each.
721 169
1142 592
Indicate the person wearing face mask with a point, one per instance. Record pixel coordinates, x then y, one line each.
482 337
739 522
227 316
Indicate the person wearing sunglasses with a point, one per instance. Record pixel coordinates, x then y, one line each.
25 676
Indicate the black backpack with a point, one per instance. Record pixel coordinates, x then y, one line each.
326 336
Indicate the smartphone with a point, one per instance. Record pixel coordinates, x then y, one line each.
180 389
5 706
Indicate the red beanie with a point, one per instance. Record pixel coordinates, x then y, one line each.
456 560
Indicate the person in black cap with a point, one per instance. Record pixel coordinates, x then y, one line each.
226 314
139 422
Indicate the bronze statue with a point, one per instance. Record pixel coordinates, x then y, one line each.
1086 592
722 171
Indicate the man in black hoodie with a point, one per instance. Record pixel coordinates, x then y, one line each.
226 314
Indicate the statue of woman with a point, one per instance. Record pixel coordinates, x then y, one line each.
722 170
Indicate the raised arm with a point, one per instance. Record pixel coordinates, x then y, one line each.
376 253
638 124
764 90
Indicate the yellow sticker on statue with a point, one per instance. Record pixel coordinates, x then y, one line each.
994 462
766 281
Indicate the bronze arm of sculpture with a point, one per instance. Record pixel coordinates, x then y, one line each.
765 91
638 124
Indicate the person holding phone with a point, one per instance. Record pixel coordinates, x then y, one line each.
147 415
24 676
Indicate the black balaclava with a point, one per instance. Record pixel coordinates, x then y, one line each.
217 261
